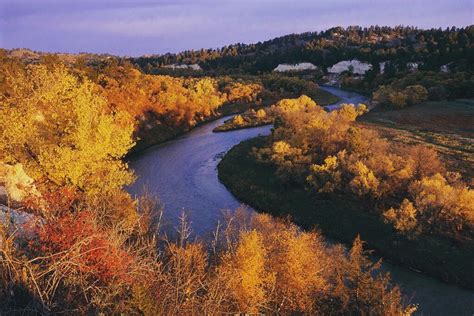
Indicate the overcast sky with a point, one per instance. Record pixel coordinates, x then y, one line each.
137 27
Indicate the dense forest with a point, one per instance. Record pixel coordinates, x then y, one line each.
395 50
400 45
73 240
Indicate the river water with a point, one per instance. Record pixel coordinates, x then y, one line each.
182 173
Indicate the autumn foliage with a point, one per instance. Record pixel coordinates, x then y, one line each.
59 129
88 247
164 106
254 264
408 185
93 252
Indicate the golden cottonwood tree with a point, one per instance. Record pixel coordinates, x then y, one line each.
365 181
444 206
57 127
245 273
325 177
403 218
332 153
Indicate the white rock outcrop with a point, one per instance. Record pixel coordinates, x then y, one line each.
413 66
15 182
295 67
357 67
445 68
195 67
183 66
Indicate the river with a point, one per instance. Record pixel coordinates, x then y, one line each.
182 173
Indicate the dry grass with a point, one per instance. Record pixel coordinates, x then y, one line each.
446 126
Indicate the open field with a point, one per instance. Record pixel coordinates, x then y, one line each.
455 116
447 126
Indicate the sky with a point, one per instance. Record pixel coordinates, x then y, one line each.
139 27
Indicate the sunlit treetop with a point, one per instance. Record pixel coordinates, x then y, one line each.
58 128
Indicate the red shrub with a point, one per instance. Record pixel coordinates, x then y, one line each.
88 247
57 202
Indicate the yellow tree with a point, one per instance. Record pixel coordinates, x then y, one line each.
238 120
325 177
444 207
300 265
261 114
58 128
403 218
364 181
245 272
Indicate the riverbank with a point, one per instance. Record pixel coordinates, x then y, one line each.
340 218
228 128
266 115
161 134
